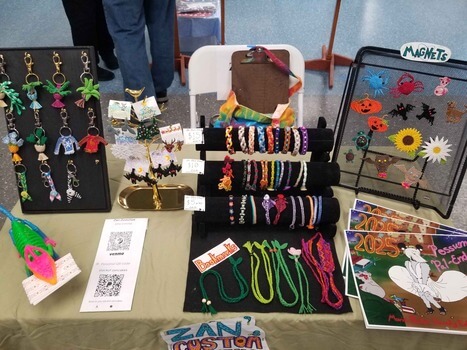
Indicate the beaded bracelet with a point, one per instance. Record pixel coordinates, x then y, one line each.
315 212
241 219
320 209
255 175
264 175
245 170
294 213
241 139
276 139
299 174
231 210
261 139
310 223
287 132
289 175
281 204
226 181
279 174
302 211
247 186
251 139
270 140
304 133
253 210
267 204
303 187
296 137
271 182
228 140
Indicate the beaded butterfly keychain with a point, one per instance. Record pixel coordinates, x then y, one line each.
59 90
92 140
89 89
32 82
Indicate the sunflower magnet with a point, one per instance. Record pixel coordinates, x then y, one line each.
407 140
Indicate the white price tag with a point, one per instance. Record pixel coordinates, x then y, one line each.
195 203
193 136
193 166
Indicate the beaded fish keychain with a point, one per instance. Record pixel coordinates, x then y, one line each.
89 89
59 86
66 139
7 92
14 142
92 140
32 82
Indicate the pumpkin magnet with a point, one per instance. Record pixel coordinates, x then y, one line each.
378 124
366 105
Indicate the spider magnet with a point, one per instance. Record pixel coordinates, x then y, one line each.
427 113
382 164
406 84
366 105
454 115
377 124
362 141
441 89
401 110
377 81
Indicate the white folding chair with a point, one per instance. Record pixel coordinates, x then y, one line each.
209 71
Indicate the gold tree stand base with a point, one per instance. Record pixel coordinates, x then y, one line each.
142 197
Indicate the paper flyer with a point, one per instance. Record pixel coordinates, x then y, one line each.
113 276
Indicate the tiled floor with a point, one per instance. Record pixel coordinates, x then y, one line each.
303 24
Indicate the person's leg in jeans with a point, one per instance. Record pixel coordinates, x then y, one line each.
160 16
126 23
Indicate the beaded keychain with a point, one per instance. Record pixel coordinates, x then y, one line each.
280 268
59 90
242 283
71 181
89 89
92 140
14 142
66 139
32 82
8 92
254 271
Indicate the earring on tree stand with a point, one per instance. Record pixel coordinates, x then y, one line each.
71 181
66 139
59 90
92 139
32 82
89 89
7 92
14 142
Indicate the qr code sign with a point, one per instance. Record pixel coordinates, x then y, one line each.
109 285
119 241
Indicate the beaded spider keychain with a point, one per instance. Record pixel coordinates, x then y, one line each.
59 90
32 82
89 89
66 139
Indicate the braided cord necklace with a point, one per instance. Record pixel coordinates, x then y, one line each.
254 271
305 306
323 269
280 267
243 284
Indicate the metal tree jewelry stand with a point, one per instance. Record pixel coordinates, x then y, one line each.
153 196
329 59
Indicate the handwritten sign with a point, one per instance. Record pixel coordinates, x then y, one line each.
418 51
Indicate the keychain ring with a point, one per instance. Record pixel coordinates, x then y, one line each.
71 167
34 75
85 75
60 76
46 166
65 128
20 168
94 128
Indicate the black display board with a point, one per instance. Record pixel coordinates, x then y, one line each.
91 167
393 109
